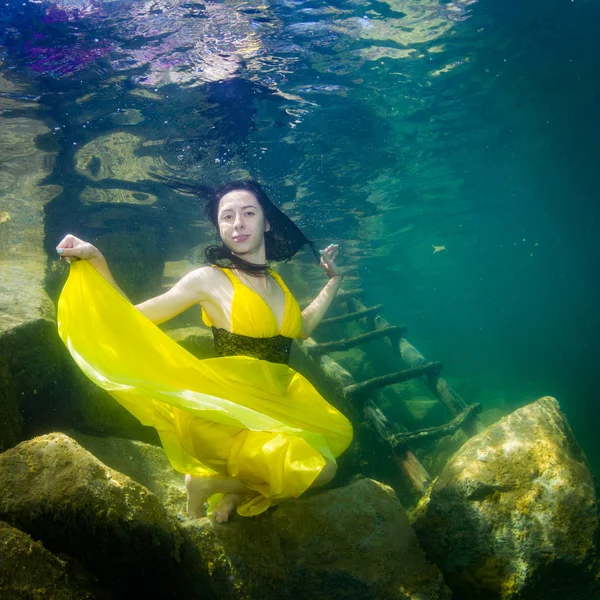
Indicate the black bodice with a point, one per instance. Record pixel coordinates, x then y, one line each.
274 349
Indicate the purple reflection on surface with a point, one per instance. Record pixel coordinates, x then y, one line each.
64 61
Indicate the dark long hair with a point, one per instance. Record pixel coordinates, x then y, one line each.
283 240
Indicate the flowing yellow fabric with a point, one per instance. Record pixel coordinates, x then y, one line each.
258 421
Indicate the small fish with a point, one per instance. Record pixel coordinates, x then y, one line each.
4 217
437 249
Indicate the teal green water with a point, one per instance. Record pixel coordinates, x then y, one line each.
389 127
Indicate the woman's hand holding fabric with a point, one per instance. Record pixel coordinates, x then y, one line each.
328 257
72 247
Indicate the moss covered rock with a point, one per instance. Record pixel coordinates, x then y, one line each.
242 560
355 542
145 463
60 494
351 542
513 514
28 570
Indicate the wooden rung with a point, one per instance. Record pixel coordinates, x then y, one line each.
403 456
365 387
348 294
359 314
341 296
346 344
434 433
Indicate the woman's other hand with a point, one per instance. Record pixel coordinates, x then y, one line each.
328 257
72 247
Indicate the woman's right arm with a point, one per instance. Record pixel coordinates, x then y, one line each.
186 292
72 247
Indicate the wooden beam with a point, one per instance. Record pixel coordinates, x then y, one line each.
353 316
392 332
403 456
434 433
348 295
364 387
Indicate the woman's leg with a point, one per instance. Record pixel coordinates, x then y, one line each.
233 499
326 475
235 490
200 488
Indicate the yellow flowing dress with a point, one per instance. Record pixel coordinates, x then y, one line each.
255 420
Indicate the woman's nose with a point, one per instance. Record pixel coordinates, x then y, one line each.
238 222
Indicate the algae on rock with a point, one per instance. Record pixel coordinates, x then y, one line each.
145 463
28 570
242 559
60 494
131 540
356 540
513 515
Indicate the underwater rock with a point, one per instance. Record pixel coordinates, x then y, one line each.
513 515
355 542
196 340
136 260
11 421
63 496
22 258
435 454
350 542
174 270
242 559
114 156
145 463
88 408
28 570
27 351
127 116
92 195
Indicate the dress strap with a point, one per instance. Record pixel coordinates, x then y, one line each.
230 275
234 281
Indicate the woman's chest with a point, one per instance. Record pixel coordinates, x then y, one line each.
259 311
263 303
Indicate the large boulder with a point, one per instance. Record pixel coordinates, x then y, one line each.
355 542
88 408
351 542
298 547
28 570
242 560
145 463
59 493
347 543
513 514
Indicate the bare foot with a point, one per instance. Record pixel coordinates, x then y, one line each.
228 504
198 491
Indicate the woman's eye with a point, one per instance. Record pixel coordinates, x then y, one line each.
250 213
227 218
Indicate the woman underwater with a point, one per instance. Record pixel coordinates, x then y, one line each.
247 430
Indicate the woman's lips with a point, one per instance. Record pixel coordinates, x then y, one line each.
240 238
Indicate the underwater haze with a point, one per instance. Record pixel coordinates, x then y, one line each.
451 149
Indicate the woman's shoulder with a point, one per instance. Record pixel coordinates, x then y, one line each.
207 274
203 280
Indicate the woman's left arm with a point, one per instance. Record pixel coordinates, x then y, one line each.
315 311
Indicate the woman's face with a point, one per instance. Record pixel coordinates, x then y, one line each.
242 223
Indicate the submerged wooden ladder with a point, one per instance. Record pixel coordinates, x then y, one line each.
361 394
